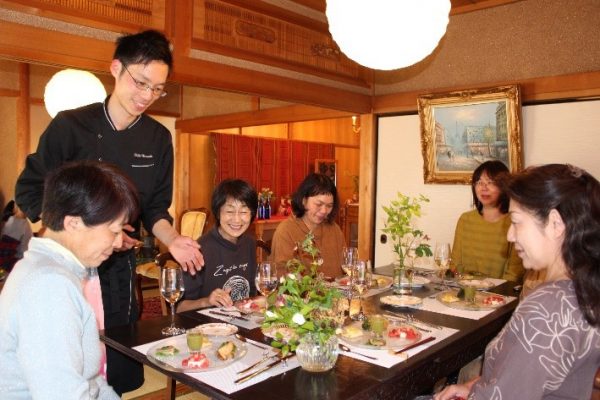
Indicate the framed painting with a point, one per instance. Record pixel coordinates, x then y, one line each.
461 130
326 167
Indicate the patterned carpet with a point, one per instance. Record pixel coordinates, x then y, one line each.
151 308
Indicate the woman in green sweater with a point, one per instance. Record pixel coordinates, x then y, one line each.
480 243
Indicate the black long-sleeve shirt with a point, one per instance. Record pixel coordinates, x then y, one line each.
144 151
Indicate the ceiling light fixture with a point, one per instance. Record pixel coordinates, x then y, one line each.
72 88
387 34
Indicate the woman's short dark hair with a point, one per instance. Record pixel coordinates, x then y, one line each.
313 185
496 171
237 189
143 48
575 194
97 192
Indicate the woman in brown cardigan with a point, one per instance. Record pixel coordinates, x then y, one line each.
315 205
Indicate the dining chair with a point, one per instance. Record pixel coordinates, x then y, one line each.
192 224
263 250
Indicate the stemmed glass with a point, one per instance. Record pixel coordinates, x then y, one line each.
441 257
349 256
360 283
171 289
266 278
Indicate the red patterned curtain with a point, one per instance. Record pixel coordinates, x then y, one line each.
277 164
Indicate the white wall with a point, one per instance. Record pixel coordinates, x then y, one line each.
554 133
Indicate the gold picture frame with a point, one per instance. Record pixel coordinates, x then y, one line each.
327 167
460 130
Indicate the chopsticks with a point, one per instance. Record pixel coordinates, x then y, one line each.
228 315
416 344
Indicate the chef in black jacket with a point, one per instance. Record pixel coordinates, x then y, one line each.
118 131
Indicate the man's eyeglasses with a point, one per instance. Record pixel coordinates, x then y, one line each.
156 91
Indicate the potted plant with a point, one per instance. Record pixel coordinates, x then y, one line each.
408 241
307 306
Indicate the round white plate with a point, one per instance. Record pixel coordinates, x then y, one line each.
287 333
174 362
479 284
419 281
360 338
401 301
217 329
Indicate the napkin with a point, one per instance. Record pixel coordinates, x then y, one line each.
254 320
223 379
387 360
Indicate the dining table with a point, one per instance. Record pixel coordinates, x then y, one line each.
351 377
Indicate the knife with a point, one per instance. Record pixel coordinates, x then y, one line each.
265 368
262 360
416 344
228 315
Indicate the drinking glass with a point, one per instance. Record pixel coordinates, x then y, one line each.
349 256
266 278
171 289
441 256
194 338
360 283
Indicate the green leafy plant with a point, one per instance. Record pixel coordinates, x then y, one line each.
303 302
406 238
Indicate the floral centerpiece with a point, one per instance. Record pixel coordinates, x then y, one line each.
303 301
408 240
265 194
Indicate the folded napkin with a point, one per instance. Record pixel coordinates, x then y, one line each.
223 379
254 320
386 359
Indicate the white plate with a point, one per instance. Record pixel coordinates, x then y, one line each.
254 305
360 338
286 332
217 329
401 301
173 363
419 281
479 284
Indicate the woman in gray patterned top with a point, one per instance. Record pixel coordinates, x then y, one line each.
555 331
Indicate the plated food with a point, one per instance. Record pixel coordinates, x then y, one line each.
483 300
479 284
377 281
281 333
217 353
217 329
401 301
393 335
252 305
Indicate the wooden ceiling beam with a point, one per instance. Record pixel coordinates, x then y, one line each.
27 43
254 118
571 86
233 79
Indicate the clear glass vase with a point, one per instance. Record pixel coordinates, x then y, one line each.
317 357
402 279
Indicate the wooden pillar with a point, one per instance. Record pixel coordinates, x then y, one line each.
366 190
23 126
181 182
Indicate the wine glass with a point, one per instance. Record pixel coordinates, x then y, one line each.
441 257
349 256
360 283
171 289
266 278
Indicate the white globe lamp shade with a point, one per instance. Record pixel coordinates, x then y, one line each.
72 88
387 34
